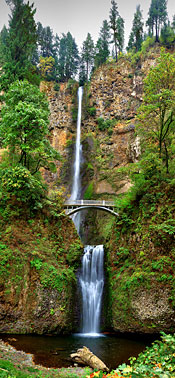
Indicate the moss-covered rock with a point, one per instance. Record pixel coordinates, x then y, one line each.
38 261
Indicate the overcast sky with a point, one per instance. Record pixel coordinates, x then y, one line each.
82 16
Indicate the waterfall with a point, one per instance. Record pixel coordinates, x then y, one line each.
92 282
76 187
92 275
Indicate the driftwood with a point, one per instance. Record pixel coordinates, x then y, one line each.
85 357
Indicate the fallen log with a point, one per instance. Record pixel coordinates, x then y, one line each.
85 357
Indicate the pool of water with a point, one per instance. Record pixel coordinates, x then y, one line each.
54 351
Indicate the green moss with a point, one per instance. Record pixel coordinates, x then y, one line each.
89 191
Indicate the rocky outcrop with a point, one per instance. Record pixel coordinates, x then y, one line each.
37 275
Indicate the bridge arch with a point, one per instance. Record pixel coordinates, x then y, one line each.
73 207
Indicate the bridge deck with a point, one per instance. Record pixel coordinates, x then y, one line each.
89 203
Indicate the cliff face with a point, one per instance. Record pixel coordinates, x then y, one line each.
141 253
38 261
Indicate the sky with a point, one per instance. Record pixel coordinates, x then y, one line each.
80 17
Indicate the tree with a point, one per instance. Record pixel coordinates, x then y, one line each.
113 16
167 36
21 42
136 35
117 26
102 46
46 66
157 16
157 113
24 127
120 33
88 54
68 57
3 44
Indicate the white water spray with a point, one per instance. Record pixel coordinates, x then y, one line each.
76 187
92 283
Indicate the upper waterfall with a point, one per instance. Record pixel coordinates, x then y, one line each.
76 174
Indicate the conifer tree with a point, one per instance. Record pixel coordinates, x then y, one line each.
113 16
102 46
21 42
157 16
136 35
68 57
117 26
88 54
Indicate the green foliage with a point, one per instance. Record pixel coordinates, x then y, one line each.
87 56
68 57
56 87
105 124
89 191
158 108
74 113
156 361
102 45
157 16
19 182
92 111
149 41
24 127
136 36
74 254
20 43
117 26
167 37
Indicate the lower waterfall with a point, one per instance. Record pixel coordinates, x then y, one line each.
92 283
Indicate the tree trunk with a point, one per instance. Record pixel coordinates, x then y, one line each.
85 357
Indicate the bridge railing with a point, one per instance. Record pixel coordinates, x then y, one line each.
89 202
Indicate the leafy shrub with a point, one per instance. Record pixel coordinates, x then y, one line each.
20 183
56 87
105 124
92 111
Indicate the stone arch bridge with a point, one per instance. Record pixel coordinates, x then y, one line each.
72 207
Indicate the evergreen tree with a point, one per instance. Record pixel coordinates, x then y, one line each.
3 44
120 33
173 23
117 26
136 36
82 72
113 16
88 54
21 42
157 16
167 36
102 46
68 57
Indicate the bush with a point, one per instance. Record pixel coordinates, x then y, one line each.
18 182
92 111
105 124
56 87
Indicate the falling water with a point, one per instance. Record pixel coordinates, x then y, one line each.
76 187
92 276
92 282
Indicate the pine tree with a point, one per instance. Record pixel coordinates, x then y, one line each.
113 16
21 42
157 16
120 33
68 57
3 44
117 26
102 46
88 54
136 35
